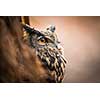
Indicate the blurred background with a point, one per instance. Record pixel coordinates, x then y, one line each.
80 37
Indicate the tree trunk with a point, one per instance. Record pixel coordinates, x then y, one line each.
18 62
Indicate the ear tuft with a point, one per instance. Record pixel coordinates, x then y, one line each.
27 28
52 28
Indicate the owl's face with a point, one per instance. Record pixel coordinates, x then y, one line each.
49 51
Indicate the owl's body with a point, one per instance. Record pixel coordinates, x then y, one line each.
46 46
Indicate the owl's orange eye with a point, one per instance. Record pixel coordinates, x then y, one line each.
41 41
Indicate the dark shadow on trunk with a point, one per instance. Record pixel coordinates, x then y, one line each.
18 62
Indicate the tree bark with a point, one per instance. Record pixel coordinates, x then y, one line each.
18 62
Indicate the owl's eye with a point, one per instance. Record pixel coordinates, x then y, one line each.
41 41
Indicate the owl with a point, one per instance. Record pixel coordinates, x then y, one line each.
47 48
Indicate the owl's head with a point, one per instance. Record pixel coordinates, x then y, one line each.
48 49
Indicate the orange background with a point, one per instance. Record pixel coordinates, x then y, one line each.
80 37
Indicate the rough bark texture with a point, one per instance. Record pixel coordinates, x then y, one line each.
18 62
